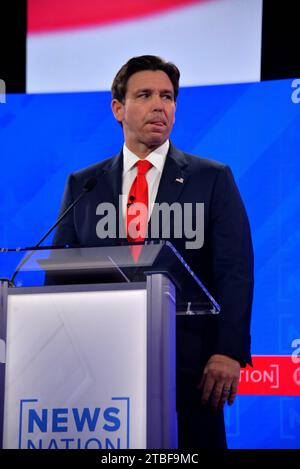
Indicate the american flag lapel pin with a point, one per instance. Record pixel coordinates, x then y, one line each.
179 180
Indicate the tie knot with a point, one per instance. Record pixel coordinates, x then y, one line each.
143 166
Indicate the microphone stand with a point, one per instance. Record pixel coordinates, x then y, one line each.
89 185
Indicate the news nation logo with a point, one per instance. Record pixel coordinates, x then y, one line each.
105 427
296 376
271 375
267 377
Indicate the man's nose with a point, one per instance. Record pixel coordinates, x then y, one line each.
157 103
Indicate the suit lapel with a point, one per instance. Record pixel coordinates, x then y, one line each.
174 177
111 186
112 178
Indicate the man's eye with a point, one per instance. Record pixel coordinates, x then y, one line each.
143 95
168 97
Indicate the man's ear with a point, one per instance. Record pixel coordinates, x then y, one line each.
118 110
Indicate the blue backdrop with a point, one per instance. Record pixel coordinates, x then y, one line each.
252 127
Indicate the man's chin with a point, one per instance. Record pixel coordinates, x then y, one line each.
157 140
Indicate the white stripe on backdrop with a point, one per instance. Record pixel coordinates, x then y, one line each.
214 42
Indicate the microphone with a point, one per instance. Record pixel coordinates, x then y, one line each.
131 198
88 186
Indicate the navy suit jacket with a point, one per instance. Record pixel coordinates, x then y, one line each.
224 263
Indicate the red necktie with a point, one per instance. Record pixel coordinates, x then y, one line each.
137 207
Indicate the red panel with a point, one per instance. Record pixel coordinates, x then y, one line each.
45 15
271 375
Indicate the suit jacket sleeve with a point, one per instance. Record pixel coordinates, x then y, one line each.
232 263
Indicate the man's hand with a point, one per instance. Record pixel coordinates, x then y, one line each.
220 381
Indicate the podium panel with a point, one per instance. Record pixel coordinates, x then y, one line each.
87 345
76 368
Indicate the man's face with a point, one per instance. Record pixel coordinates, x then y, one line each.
148 112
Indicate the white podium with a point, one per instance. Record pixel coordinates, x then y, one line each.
90 365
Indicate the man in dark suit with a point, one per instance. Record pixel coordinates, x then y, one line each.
210 349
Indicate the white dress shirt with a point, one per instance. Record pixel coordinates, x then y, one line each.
157 158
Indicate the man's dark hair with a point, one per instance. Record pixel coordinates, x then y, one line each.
139 64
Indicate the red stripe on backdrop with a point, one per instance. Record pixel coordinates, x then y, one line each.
49 15
271 375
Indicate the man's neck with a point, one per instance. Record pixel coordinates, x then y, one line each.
142 151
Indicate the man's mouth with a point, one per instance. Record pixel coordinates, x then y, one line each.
158 123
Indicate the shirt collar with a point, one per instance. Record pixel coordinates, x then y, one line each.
157 157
